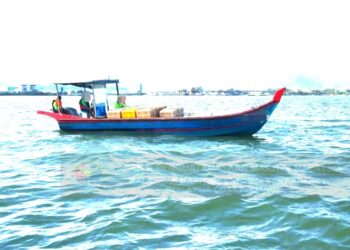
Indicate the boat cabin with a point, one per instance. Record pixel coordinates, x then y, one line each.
97 89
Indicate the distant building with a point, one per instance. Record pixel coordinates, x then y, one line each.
32 88
24 88
140 90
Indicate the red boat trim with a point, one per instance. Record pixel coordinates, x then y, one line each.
278 95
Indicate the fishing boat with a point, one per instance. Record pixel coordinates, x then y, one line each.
247 122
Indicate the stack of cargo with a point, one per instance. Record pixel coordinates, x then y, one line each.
158 109
128 113
172 112
146 113
114 114
149 112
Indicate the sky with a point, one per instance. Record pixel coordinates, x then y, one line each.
170 45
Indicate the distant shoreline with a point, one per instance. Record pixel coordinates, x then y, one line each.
26 94
288 93
51 94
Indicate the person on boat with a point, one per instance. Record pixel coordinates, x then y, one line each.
120 102
57 105
84 104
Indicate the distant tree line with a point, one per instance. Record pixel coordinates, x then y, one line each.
231 91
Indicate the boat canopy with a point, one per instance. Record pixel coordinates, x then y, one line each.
89 84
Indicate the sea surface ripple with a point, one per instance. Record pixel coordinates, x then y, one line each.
287 187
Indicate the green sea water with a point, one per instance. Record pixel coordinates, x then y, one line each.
287 187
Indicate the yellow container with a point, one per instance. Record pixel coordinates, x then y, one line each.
129 113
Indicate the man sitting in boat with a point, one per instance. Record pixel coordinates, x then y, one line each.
84 104
58 108
57 105
120 102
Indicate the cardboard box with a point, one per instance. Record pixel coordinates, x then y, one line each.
146 113
171 112
149 112
114 114
128 113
